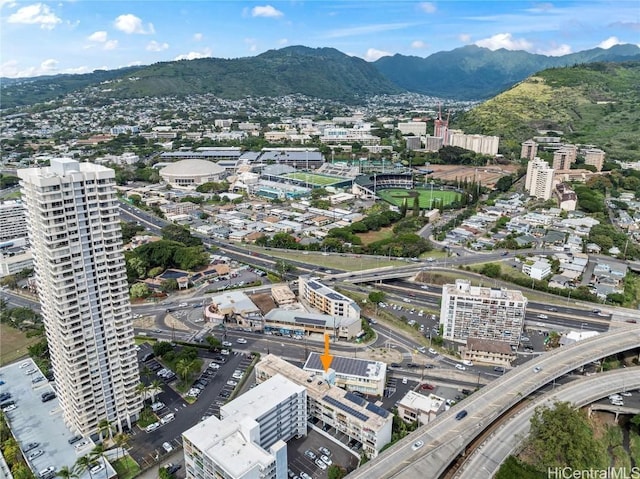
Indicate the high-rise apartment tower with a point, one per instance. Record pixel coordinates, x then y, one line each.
74 231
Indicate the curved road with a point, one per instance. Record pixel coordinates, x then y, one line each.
489 455
445 438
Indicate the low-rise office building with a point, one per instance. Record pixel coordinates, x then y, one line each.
331 406
299 323
362 375
417 407
326 300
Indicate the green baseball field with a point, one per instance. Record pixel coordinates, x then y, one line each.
312 178
396 196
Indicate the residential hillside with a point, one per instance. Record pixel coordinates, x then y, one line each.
596 103
465 73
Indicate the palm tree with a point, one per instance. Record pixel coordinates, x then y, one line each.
142 389
66 472
146 372
99 453
154 387
85 463
105 426
184 368
121 441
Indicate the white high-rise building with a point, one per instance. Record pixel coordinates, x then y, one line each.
485 313
74 231
539 180
13 223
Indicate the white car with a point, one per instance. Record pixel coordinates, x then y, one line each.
326 460
227 344
432 351
96 468
8 408
460 367
155 407
225 352
242 341
168 418
152 427
466 362
320 464
625 393
417 445
183 305
214 366
167 447
230 382
543 316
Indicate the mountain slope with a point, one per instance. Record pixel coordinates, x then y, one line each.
321 73
473 72
596 103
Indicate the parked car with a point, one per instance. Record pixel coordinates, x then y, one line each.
29 446
325 451
35 454
152 427
324 458
227 344
74 439
310 454
320 464
167 447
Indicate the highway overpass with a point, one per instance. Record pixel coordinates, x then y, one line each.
486 459
446 438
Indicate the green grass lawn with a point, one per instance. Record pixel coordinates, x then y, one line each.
313 179
126 467
330 261
397 196
13 344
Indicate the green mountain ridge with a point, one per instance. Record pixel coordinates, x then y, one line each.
472 72
596 103
469 72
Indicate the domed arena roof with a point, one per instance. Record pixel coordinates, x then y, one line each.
192 167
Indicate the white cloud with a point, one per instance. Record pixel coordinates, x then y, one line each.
193 55
609 42
110 45
252 44
556 50
11 69
266 11
154 46
373 54
129 23
427 7
283 41
197 37
99 37
36 14
367 29
8 3
464 37
506 41
418 44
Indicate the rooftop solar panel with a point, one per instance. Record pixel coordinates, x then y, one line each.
345 408
356 399
313 285
377 410
336 296
315 322
346 366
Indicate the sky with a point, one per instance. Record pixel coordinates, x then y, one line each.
79 36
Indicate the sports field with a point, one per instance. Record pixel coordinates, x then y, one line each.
396 197
313 179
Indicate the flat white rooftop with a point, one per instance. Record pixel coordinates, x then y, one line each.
263 398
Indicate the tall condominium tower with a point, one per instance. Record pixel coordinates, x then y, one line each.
74 230
539 180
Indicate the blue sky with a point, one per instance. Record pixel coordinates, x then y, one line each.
79 36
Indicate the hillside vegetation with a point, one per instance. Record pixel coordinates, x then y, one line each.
596 103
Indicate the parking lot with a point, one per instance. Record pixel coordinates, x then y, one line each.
147 447
299 462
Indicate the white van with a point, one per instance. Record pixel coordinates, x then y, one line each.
168 418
